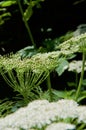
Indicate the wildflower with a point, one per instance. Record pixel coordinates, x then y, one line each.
11 129
76 66
40 113
67 108
81 110
73 45
60 126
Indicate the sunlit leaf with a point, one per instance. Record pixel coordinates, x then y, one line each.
4 17
7 3
28 13
6 14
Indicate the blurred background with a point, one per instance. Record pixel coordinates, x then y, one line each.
53 19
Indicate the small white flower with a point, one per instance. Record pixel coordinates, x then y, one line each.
81 110
60 126
40 113
76 66
67 108
11 128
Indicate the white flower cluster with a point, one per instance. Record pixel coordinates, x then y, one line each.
60 126
46 61
81 114
40 113
73 43
76 66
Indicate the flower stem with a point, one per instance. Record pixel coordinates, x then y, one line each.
81 77
49 87
26 24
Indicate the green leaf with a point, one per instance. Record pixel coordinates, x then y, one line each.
71 84
71 56
63 65
28 51
59 94
1 21
84 82
28 12
6 14
4 17
7 3
64 94
26 2
82 96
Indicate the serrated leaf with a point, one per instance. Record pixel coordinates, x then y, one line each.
28 13
63 65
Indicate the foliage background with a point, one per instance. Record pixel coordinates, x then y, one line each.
60 15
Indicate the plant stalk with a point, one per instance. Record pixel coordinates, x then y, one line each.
49 87
26 24
81 77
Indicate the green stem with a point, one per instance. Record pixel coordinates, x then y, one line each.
81 77
26 24
25 96
49 87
